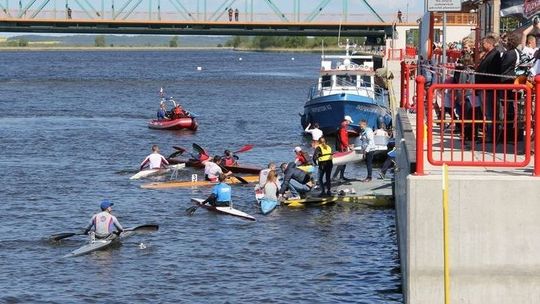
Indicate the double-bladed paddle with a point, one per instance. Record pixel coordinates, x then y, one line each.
179 151
146 228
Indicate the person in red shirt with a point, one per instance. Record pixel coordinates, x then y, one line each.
342 145
301 157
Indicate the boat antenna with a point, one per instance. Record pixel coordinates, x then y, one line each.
339 33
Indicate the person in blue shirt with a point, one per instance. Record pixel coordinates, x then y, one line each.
221 193
162 112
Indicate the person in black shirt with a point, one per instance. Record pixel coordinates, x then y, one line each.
490 63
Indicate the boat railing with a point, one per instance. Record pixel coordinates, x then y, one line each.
364 88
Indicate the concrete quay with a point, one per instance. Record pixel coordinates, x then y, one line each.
494 229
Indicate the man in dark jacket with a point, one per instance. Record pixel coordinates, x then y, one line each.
489 64
296 180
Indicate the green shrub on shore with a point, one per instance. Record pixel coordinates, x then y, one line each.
286 42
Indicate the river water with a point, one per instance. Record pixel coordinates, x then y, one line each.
73 129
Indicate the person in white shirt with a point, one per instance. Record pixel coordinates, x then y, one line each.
316 134
154 160
528 40
368 146
212 170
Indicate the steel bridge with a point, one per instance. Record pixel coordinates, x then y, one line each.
196 17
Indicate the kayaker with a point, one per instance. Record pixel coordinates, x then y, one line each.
315 132
367 140
302 158
323 158
263 175
342 145
212 170
221 193
104 223
295 180
228 159
271 186
154 160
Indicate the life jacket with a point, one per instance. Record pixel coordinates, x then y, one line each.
228 161
177 112
326 153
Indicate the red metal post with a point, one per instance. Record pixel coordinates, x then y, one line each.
420 106
403 84
536 170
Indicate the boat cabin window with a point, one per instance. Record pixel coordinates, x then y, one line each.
365 81
346 80
326 81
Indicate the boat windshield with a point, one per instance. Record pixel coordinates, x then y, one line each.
366 81
346 80
326 81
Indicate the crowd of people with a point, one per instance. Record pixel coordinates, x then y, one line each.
506 59
298 179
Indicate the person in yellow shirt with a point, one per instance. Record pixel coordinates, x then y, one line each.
323 158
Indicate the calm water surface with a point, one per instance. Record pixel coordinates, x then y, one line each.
73 129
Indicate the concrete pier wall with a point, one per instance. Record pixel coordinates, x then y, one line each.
494 233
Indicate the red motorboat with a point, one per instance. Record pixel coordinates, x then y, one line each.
189 123
175 119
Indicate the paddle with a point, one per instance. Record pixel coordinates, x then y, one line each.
179 151
191 210
245 148
146 228
243 181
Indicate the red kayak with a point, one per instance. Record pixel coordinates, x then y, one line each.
189 123
247 169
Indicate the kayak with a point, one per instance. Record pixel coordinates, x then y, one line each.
342 158
203 183
223 210
93 246
311 201
245 169
267 205
156 172
189 123
100 244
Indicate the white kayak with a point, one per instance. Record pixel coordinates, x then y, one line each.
100 244
156 172
342 158
223 210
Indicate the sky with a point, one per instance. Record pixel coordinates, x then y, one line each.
358 11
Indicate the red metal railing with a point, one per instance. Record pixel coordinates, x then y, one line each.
407 72
489 125
394 54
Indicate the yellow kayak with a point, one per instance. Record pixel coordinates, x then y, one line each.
371 200
203 183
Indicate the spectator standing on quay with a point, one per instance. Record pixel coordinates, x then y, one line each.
490 63
236 15
399 16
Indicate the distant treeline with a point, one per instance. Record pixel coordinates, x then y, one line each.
292 42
